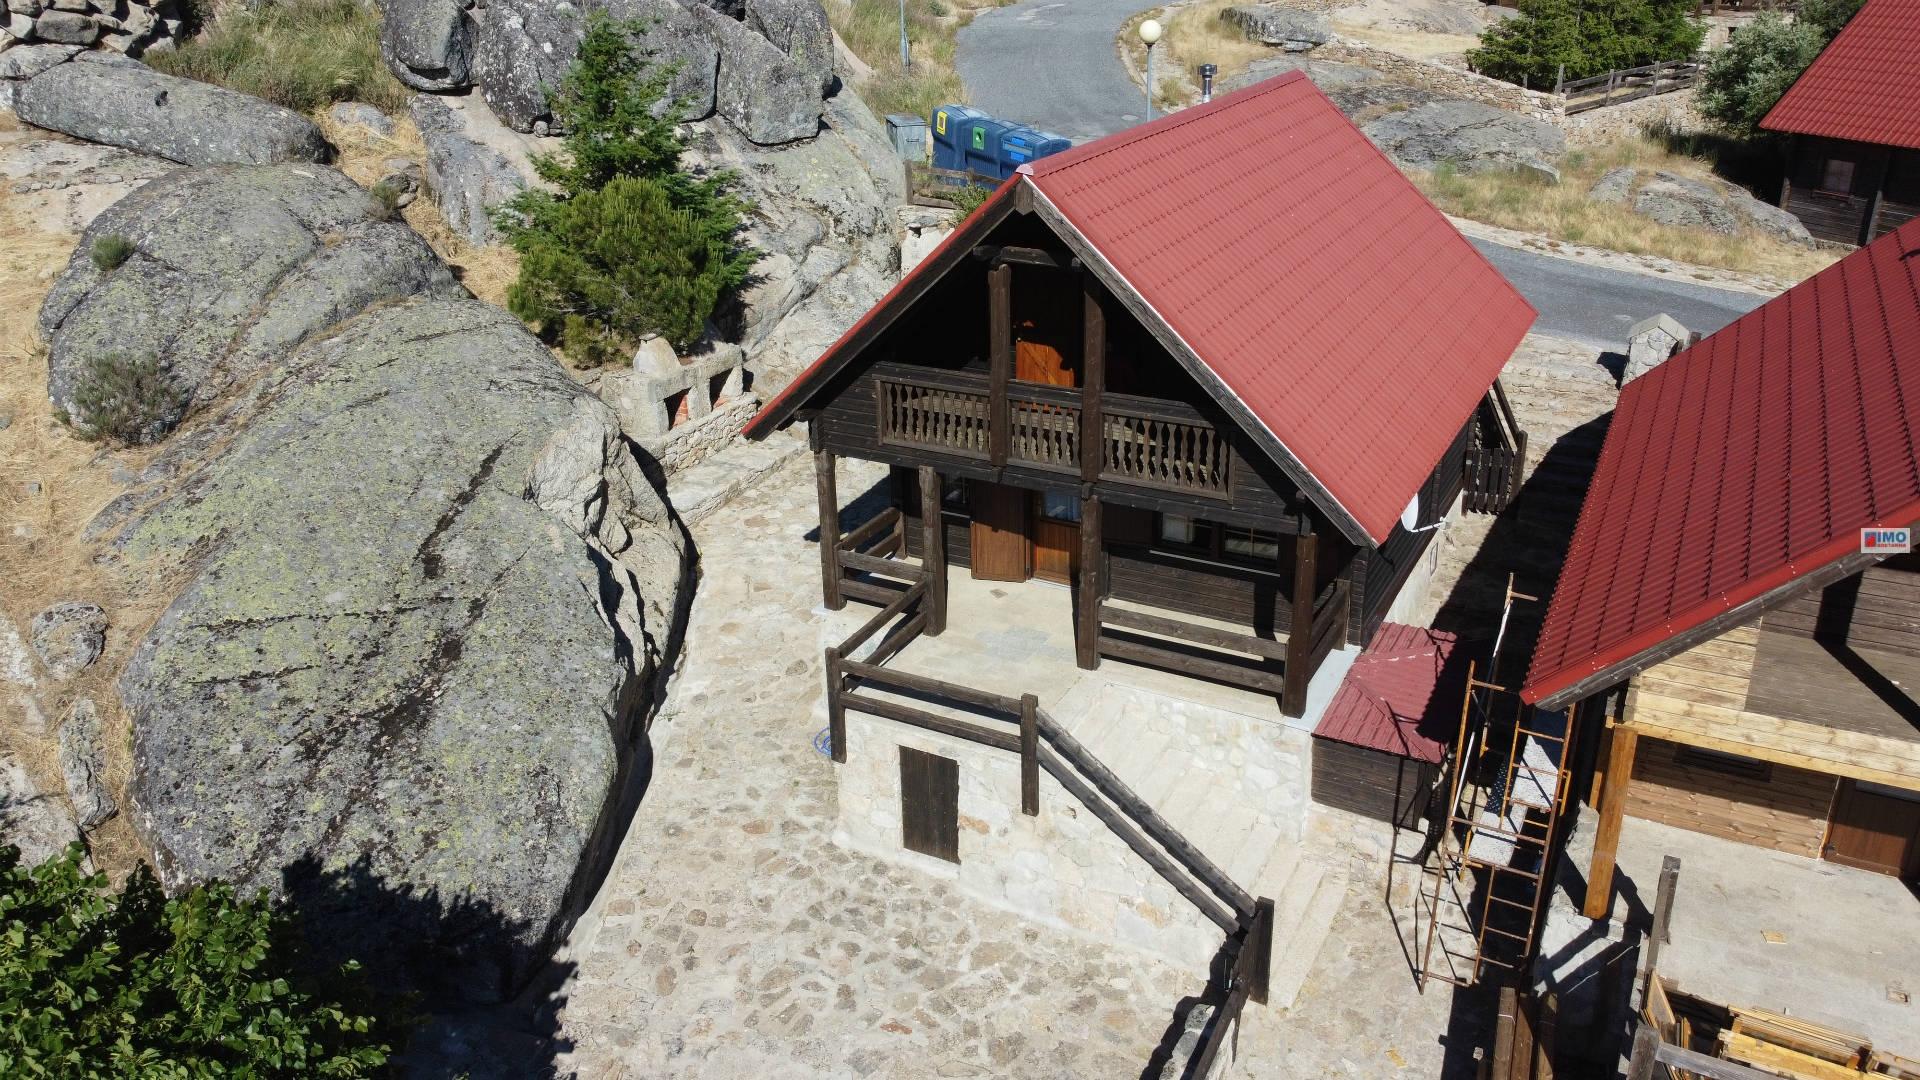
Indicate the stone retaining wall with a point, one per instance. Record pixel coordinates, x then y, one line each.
1674 110
128 26
1450 81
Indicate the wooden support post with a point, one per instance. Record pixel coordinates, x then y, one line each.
1606 838
1093 581
1662 920
1093 386
933 549
1646 1048
1029 755
999 360
836 709
1260 940
1505 1033
1293 698
823 475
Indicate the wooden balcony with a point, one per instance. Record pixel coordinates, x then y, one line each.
1146 441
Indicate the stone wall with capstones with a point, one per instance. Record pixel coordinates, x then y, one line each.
125 26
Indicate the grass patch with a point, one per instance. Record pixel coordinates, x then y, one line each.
299 54
870 29
1518 200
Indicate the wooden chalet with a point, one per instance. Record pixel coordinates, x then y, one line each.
1854 115
1220 374
1753 652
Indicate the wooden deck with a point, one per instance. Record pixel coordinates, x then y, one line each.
1786 700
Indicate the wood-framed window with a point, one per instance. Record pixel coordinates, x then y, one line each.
1836 176
1221 543
930 804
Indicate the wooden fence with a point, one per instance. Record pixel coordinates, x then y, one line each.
1628 84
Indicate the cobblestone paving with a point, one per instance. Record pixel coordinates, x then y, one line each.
733 938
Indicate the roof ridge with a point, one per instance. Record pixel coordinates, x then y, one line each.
1166 122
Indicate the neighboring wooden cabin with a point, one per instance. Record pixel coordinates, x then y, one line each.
1753 652
1223 368
1854 114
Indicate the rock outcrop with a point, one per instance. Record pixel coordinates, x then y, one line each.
1289 28
1423 130
124 103
468 170
763 66
69 636
1714 205
421 586
232 267
83 765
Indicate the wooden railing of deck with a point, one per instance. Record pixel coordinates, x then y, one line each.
1146 441
1496 456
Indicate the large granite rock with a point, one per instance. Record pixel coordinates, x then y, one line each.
69 636
798 28
127 104
473 163
1423 130
83 765
429 588
1716 206
1325 74
764 92
35 821
1289 28
428 44
232 267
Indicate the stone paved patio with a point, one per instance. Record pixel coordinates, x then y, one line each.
732 938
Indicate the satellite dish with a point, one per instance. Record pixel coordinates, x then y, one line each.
1410 517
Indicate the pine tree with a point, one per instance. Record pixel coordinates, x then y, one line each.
1552 39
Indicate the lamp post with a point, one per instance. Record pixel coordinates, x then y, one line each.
906 56
1150 33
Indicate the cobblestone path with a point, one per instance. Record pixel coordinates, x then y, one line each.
732 938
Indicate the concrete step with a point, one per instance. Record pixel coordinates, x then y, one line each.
1260 846
1293 961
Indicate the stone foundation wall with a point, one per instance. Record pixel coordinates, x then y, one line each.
1063 868
127 26
1674 110
1449 81
697 440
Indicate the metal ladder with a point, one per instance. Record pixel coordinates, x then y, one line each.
1481 890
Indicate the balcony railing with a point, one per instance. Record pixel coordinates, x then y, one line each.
1146 441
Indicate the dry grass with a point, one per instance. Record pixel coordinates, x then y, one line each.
870 29
1563 212
486 270
1191 34
51 484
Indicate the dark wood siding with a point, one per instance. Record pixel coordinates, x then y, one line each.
1840 216
1379 573
930 804
1371 783
1900 197
1877 609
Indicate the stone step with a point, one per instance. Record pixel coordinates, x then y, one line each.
1293 962
1262 844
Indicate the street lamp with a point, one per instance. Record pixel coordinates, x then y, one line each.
1150 33
906 57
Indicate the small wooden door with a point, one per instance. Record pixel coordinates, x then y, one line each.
1001 550
930 804
1046 328
1875 828
1056 535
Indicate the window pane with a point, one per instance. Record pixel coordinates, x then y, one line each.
1060 506
1252 545
1839 176
954 493
1175 529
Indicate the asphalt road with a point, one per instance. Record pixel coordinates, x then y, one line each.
1052 64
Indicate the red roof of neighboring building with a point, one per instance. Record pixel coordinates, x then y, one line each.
1744 463
1865 85
1402 695
1311 279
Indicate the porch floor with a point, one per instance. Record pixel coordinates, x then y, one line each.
1850 939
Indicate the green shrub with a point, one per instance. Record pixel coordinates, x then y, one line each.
1745 80
1580 38
110 251
629 245
125 399
386 196
97 983
300 54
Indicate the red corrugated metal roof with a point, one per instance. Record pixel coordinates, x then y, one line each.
1304 272
1746 462
1865 85
1402 694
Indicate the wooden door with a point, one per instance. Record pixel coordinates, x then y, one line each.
1875 828
1056 535
1047 319
930 804
1000 548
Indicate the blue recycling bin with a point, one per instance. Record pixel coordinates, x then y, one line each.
982 151
953 134
1021 144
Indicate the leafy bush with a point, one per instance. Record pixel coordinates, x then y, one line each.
629 245
1585 37
1745 80
300 54
386 196
110 251
94 983
126 399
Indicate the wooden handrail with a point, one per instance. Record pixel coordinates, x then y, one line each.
922 684
945 725
1192 632
873 527
886 615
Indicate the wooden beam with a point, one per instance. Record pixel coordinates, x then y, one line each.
1093 383
933 549
1293 701
1606 838
997 254
836 712
999 360
1703 1065
1260 940
1662 920
824 480
1093 581
1030 755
